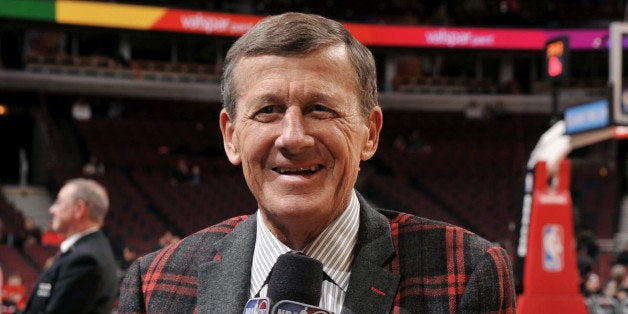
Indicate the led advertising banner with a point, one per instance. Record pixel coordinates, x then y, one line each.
153 18
448 37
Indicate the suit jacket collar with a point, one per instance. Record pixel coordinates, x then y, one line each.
223 284
372 288
80 241
71 240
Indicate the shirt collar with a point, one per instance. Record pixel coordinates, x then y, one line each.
67 243
334 247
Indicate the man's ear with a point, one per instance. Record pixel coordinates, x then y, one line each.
81 209
228 138
374 124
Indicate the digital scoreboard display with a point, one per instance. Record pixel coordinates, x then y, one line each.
557 58
618 66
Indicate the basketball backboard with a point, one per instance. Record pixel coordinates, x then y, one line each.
618 35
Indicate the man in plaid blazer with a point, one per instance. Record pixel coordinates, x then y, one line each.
403 264
300 115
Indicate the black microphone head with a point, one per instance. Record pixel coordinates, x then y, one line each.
297 278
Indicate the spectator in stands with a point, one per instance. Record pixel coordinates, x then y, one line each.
300 115
14 293
81 109
129 255
598 302
586 253
115 110
617 276
181 173
3 235
506 244
197 176
622 256
414 142
622 293
29 234
498 110
83 278
166 239
474 111
584 262
93 167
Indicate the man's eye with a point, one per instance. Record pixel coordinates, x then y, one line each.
322 111
320 108
267 109
266 114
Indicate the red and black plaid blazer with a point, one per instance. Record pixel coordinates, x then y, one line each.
403 264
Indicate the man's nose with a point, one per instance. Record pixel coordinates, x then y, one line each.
294 134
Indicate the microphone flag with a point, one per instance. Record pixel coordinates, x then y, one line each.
257 306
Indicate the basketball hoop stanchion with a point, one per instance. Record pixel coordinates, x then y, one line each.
550 277
547 246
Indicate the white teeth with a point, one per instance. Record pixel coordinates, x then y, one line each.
300 169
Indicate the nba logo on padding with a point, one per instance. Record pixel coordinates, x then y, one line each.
553 248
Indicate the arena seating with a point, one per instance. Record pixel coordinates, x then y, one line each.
467 172
424 182
474 168
10 216
27 263
13 261
440 165
107 67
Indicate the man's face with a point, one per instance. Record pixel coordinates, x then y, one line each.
299 134
63 210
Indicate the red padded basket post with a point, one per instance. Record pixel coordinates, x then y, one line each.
550 278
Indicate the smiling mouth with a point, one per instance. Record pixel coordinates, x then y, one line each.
298 170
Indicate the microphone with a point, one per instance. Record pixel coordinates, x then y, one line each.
296 277
295 284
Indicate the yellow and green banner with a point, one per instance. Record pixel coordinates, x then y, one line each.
127 16
41 10
105 14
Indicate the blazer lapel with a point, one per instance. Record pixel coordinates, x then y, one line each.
372 289
223 285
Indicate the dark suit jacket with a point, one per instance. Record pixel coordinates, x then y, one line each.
81 280
403 264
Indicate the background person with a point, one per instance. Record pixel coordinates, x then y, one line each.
28 235
300 115
83 278
14 293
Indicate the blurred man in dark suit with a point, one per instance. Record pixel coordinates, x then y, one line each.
83 278
300 114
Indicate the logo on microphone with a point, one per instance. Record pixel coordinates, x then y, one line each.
293 307
257 306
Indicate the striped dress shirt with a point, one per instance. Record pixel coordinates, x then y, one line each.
334 247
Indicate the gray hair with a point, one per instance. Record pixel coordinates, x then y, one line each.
293 34
94 195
